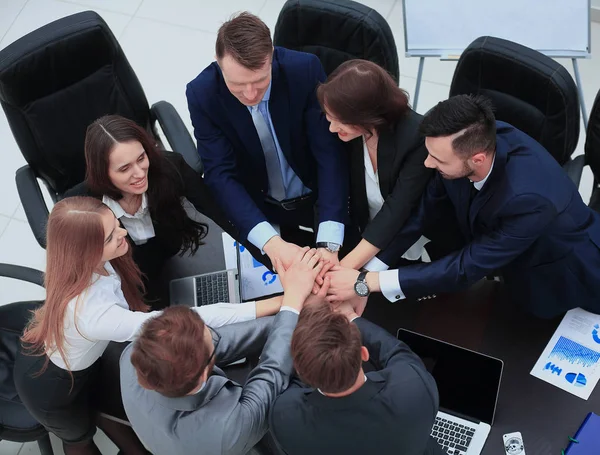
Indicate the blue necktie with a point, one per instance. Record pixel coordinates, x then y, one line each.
276 188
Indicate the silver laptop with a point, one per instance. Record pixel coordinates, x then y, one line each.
468 384
208 288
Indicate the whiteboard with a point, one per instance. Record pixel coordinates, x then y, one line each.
558 28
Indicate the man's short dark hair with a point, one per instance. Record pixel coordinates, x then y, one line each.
474 114
170 353
246 39
326 349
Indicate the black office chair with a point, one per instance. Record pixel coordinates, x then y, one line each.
529 90
336 31
57 80
16 424
592 151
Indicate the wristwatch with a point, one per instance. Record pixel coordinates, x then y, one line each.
329 246
360 287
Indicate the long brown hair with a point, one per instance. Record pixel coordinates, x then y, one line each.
165 184
75 242
362 93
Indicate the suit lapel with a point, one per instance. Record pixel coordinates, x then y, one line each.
241 121
279 108
385 162
358 191
488 189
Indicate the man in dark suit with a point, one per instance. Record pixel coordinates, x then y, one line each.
268 155
345 411
520 215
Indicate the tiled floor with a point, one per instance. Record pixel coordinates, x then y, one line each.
168 43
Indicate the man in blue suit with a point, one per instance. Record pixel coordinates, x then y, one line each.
268 155
520 215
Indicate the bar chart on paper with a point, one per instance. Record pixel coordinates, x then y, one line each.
574 353
571 358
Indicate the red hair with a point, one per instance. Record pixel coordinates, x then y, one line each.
75 242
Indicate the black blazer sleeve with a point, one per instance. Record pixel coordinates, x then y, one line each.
402 176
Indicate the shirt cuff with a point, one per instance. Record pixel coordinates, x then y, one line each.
261 234
331 231
389 283
376 265
289 308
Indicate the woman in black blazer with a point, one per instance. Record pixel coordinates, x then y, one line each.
367 109
145 187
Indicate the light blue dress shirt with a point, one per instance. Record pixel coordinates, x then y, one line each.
329 231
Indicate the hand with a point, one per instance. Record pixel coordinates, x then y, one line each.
319 297
342 284
346 309
358 304
298 279
329 256
321 276
277 248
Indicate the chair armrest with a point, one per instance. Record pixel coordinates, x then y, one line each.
33 203
574 169
19 272
177 134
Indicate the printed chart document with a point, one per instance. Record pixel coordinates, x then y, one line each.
256 280
571 360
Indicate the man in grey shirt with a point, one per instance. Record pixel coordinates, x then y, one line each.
176 396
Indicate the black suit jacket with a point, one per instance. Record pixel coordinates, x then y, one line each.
392 413
403 177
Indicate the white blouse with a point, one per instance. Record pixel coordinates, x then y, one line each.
139 225
375 201
374 198
103 315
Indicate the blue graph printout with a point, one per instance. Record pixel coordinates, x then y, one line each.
571 359
574 353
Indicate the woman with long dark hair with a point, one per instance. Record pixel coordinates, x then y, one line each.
145 189
367 109
93 296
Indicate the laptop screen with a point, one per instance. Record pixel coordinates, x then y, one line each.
468 382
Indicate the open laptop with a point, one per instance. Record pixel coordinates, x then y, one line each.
468 384
208 288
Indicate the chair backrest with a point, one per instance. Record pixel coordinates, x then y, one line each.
336 31
528 89
592 139
57 80
13 319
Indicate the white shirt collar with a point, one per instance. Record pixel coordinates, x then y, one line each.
120 212
479 185
319 390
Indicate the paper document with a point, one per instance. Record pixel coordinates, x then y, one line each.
571 360
256 280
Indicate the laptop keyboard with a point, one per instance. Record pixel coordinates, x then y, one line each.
212 288
453 437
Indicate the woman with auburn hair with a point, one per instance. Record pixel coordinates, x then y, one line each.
367 109
145 188
93 296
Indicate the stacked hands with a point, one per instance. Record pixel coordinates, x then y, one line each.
312 277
